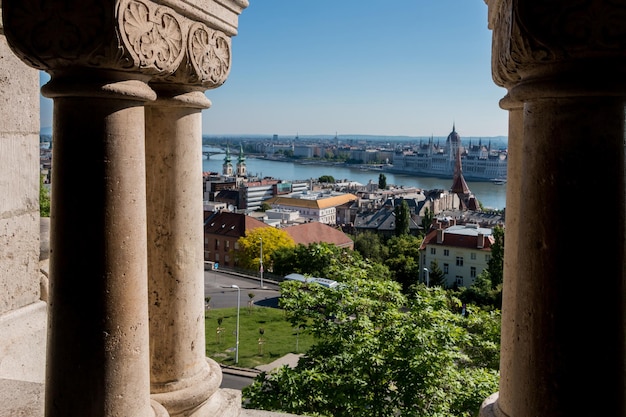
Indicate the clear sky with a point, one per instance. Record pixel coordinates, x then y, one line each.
372 67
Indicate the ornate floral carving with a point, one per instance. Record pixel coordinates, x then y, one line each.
209 54
539 36
128 35
153 35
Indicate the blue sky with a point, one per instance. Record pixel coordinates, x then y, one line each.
407 67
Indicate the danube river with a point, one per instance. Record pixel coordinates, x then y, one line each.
489 194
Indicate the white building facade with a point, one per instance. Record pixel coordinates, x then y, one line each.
462 252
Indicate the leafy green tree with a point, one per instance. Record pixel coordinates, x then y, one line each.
326 179
403 259
370 246
436 276
264 207
403 218
427 220
379 354
44 199
249 252
314 259
382 181
481 293
495 266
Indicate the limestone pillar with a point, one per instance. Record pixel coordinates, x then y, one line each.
98 333
563 321
182 378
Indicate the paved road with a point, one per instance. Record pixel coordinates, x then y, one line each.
218 286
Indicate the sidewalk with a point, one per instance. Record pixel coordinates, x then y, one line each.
290 359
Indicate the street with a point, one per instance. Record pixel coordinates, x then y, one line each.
218 286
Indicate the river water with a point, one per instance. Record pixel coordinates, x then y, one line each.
489 194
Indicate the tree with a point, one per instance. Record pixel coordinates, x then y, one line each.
381 354
436 275
44 199
326 179
264 207
495 266
382 181
248 255
369 245
314 259
403 218
403 259
427 221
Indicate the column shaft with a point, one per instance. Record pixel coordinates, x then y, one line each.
181 377
98 317
567 324
512 257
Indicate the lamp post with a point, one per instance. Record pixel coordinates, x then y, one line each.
261 262
427 272
237 331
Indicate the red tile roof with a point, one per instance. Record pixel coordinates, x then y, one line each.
315 232
231 224
454 240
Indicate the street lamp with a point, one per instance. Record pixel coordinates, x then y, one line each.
237 342
261 262
427 272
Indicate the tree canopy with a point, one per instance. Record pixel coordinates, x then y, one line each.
403 259
44 199
403 218
379 353
249 252
327 179
382 181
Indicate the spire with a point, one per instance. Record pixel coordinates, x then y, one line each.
459 186
241 158
227 167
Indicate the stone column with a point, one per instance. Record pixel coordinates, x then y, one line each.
563 315
98 333
182 378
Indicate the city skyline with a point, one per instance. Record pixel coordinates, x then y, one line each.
357 67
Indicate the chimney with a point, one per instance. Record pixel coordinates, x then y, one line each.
440 235
480 241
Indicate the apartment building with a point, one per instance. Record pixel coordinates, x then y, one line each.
461 251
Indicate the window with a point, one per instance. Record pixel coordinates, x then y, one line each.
226 260
217 257
227 244
236 245
433 251
473 256
459 280
217 244
459 261
446 252
487 258
446 268
473 272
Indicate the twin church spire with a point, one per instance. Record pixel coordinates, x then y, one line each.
227 167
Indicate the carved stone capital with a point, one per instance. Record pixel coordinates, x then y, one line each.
577 41
166 40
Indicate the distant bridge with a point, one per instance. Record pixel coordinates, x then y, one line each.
208 154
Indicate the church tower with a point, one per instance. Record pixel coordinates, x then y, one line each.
241 163
227 167
467 200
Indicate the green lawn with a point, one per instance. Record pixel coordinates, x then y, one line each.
278 338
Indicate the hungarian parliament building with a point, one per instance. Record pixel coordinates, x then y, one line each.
479 161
